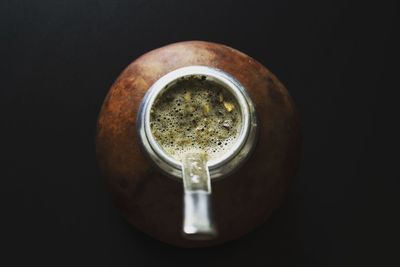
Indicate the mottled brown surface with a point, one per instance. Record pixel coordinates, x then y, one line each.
152 202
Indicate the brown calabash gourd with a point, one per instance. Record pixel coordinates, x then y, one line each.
152 202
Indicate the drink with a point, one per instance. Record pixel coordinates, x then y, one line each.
196 124
195 114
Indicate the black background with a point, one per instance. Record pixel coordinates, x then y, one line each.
59 58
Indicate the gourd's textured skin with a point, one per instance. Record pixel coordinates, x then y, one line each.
153 202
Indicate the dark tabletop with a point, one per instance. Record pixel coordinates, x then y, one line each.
59 58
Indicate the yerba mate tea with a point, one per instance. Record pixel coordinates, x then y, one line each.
195 115
197 123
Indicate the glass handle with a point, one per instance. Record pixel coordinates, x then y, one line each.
198 221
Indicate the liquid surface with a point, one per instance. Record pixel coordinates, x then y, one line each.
195 115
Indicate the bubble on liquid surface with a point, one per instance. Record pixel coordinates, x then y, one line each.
195 114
